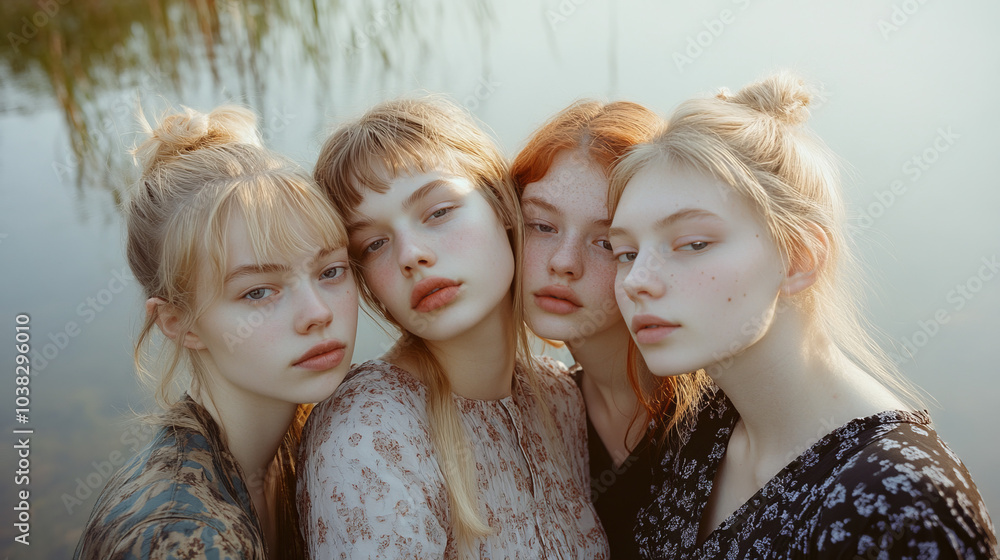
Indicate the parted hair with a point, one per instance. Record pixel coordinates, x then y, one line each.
605 132
198 173
412 135
756 142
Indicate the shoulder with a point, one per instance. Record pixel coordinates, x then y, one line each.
375 396
555 378
168 499
187 537
904 490
378 414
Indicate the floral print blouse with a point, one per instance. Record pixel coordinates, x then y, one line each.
880 487
371 486
182 496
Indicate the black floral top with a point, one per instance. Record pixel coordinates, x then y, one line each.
882 487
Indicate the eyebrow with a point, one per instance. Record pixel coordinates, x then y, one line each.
416 196
269 268
667 221
424 191
549 207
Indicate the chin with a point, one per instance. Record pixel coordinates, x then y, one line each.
666 367
550 328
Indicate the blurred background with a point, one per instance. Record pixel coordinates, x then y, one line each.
908 101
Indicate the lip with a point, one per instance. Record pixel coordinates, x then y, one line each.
557 299
325 355
650 329
433 293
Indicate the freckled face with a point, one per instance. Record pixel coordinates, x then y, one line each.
434 254
698 275
569 271
281 331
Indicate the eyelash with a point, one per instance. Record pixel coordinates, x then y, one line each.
631 255
538 227
341 271
704 243
619 257
442 211
255 301
373 247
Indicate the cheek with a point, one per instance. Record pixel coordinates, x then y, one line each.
624 303
602 273
535 256
378 279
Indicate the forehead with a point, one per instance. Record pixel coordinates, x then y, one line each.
663 188
403 190
574 183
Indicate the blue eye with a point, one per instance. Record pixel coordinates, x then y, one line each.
257 294
441 212
374 246
696 245
333 272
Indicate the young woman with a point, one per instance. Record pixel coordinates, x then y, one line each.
728 229
568 290
456 442
245 267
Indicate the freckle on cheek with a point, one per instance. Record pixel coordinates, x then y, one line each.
729 299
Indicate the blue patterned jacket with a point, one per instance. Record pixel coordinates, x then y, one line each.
183 496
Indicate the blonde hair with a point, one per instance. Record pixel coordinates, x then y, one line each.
198 173
755 142
407 135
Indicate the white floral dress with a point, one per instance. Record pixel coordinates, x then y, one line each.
371 486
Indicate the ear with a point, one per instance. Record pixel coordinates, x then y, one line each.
807 263
168 318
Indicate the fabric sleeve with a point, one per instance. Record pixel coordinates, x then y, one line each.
906 496
369 486
171 538
909 534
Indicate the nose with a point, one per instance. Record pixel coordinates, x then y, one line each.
566 260
313 308
413 253
644 279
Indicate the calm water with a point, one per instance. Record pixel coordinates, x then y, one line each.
909 103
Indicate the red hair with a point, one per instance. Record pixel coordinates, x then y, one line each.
606 132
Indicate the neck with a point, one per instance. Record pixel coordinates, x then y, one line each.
611 401
479 362
791 388
253 429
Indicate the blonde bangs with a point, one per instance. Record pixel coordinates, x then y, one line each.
285 216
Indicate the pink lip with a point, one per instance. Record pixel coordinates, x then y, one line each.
650 329
325 355
432 293
557 299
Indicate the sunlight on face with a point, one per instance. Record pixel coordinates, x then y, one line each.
434 253
569 271
282 330
698 276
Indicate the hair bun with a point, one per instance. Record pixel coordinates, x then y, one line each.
784 96
191 130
